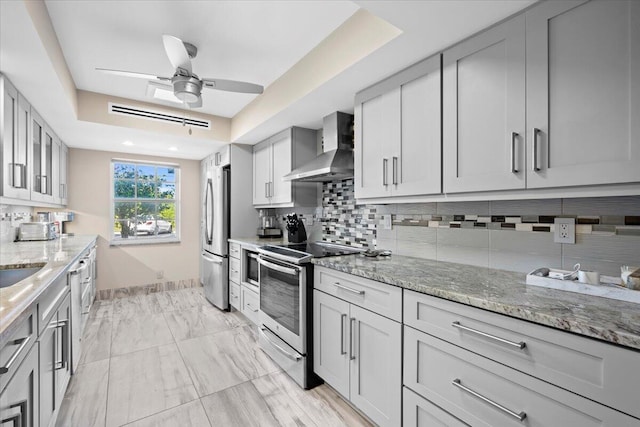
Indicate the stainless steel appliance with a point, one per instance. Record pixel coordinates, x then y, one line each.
251 269
268 226
286 305
37 231
214 263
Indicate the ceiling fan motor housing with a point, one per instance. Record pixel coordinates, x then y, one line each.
186 88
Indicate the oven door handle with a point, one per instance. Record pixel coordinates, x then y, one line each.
294 357
276 267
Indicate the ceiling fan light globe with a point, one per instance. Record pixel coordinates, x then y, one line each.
187 97
187 89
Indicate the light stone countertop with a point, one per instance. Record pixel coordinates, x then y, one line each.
502 292
57 255
256 241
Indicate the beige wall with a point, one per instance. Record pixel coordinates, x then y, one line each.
122 266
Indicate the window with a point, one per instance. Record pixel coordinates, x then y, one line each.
145 202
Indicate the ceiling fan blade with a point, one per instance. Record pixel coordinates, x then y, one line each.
177 52
133 74
232 86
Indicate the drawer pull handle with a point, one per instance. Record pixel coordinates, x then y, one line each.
346 288
23 343
519 345
520 416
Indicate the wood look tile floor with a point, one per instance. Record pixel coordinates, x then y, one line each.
172 359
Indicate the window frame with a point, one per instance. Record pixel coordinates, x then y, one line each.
174 237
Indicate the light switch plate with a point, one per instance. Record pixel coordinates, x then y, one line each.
565 230
386 222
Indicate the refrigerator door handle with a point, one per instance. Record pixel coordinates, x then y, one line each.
214 260
208 213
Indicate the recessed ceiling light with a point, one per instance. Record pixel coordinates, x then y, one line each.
173 148
127 143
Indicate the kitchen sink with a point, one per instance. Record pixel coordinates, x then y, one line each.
11 276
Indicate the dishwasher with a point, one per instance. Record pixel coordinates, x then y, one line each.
78 276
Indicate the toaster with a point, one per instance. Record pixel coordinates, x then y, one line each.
37 231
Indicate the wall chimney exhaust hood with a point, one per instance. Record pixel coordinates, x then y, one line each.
336 162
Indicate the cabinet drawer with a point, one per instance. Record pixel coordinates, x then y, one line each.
471 387
234 250
591 368
234 295
17 347
250 304
380 298
419 412
234 270
50 300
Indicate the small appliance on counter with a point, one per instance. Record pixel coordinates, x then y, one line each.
268 226
30 231
295 228
61 219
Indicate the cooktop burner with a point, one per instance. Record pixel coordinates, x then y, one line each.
303 252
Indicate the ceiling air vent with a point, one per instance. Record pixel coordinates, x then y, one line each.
125 110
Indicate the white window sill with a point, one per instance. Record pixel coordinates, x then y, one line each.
143 241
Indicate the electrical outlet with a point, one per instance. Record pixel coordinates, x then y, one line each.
565 230
160 274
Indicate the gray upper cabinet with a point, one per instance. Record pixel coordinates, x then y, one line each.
583 93
64 173
484 111
15 124
275 157
398 132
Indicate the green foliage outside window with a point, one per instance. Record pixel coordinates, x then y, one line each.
144 199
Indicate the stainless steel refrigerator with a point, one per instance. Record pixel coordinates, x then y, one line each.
214 273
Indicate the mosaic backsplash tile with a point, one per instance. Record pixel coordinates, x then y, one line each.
513 235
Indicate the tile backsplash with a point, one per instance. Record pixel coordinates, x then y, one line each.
10 219
512 235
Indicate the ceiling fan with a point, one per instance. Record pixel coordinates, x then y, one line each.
186 84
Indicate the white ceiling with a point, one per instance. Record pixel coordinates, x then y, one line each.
255 41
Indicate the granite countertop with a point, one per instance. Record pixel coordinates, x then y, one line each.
256 241
56 255
502 292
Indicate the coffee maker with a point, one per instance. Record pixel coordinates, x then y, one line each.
268 224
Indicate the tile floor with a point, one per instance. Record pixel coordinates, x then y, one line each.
172 359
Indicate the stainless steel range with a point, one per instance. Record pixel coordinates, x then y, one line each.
286 304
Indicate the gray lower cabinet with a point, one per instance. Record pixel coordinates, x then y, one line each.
19 400
358 352
250 304
55 366
419 412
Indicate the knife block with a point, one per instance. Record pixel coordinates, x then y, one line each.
298 236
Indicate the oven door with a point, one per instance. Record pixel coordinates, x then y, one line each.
282 301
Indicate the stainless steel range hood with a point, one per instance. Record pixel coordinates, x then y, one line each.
336 163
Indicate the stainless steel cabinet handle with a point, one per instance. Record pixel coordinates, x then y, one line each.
352 334
281 269
44 188
62 363
520 345
514 136
384 171
294 357
234 271
347 288
21 181
520 416
343 317
270 188
394 171
251 308
78 270
217 261
266 189
536 132
23 343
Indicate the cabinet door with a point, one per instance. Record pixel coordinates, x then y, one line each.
15 143
261 174
376 368
281 157
484 111
583 93
64 161
19 401
62 364
379 122
330 341
38 154
416 160
48 351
